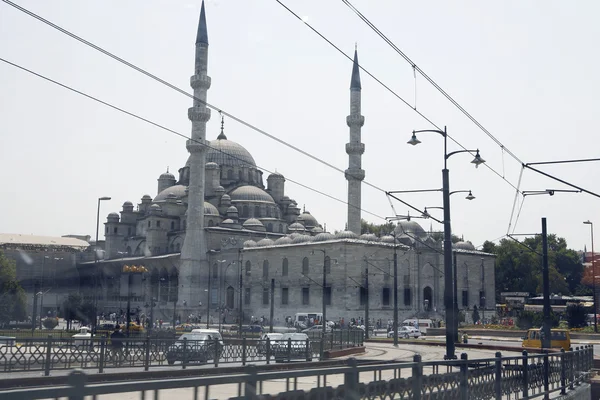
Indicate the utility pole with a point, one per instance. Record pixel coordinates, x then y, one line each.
324 322
272 314
395 294
241 312
455 303
546 287
367 302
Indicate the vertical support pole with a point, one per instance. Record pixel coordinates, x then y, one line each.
351 381
289 349
147 355
48 356
563 372
464 377
217 348
324 319
322 349
185 357
77 380
455 296
241 285
571 369
308 350
128 302
448 303
395 293
250 384
367 302
272 313
546 287
525 366
546 367
244 347
34 313
268 350
102 354
417 375
498 381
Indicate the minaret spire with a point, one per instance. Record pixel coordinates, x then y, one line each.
193 271
355 174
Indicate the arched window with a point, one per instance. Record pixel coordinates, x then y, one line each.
327 265
265 269
115 230
128 250
184 224
215 271
305 266
280 228
211 223
248 268
268 212
172 247
158 224
129 231
245 212
270 227
177 247
241 175
230 174
256 211
172 225
284 267
106 230
149 224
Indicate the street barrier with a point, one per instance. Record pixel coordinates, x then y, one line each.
496 378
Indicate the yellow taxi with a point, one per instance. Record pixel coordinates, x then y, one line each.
559 338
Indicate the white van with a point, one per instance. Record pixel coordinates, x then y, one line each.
421 324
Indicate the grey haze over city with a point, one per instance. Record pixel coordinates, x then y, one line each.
526 71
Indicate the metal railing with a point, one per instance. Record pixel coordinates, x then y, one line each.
48 354
525 376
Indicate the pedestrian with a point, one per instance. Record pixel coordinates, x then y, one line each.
116 345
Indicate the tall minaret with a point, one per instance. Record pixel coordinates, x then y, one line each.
354 174
193 272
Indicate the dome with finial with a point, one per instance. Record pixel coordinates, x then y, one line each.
283 240
464 246
265 242
227 153
249 243
346 235
296 227
323 237
307 219
387 239
370 237
167 175
254 224
302 239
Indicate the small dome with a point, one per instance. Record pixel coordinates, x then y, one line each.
296 227
229 153
285 198
228 221
128 204
249 243
146 197
167 176
251 193
346 235
265 242
307 220
209 209
232 209
464 246
387 239
275 175
317 229
226 197
302 239
155 207
370 237
211 165
283 240
254 225
220 189
410 228
323 237
171 196
113 215
294 235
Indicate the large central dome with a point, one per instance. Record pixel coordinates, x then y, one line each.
227 153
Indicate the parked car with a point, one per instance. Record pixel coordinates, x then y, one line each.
406 332
317 328
261 347
292 346
251 328
559 338
199 346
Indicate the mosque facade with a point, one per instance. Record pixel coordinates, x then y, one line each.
218 243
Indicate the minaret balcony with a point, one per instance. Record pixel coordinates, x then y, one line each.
355 174
355 120
195 146
355 148
199 113
200 82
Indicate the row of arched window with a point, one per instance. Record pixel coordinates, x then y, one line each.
285 267
269 212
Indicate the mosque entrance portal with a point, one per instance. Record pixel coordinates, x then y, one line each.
427 298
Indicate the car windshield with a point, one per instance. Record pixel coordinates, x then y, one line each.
294 336
195 336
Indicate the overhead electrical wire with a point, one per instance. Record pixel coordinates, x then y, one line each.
172 131
388 89
170 85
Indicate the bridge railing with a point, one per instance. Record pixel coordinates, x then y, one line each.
100 353
524 376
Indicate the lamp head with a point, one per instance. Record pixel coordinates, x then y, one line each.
425 213
104 198
477 160
470 196
413 140
588 222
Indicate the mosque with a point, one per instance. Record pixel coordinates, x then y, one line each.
217 243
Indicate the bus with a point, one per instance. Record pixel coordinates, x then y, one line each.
302 320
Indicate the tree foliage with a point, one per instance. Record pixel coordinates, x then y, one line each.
519 265
12 295
576 316
379 230
532 319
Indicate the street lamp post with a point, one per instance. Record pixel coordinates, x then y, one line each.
104 198
448 303
591 224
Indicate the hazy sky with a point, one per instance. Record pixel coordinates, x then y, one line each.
527 71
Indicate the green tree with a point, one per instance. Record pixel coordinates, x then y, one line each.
87 312
70 308
475 315
576 316
379 230
12 295
438 236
